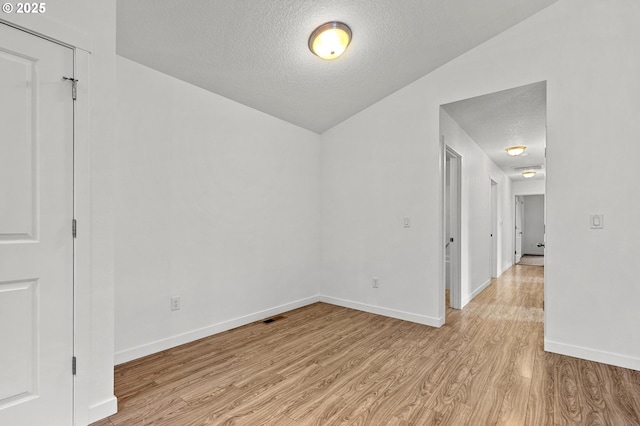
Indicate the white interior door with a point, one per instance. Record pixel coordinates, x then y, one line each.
494 229
452 244
36 244
518 230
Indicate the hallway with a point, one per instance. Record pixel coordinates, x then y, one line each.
532 260
328 365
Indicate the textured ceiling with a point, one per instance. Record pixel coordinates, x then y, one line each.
511 117
255 51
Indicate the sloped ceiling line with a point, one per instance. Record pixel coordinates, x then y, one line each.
255 51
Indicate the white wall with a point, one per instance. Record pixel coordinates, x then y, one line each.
528 187
378 168
477 172
533 229
375 171
384 163
216 203
90 24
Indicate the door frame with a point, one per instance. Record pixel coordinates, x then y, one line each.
524 215
80 43
456 225
494 272
517 199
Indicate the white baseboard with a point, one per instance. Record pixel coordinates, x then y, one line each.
610 358
103 409
506 268
477 291
387 312
180 339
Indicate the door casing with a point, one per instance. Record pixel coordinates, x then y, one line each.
454 198
494 271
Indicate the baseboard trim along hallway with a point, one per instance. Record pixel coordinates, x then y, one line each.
387 312
190 336
327 364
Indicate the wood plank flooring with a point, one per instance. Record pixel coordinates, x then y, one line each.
327 365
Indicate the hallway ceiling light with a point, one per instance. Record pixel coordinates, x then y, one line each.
330 40
516 150
528 174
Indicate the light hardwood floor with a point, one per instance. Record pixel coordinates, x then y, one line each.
327 365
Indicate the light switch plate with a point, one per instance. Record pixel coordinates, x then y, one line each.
596 221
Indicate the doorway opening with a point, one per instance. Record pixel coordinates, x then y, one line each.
452 227
530 237
485 129
517 242
495 270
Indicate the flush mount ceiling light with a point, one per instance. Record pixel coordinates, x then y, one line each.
330 40
515 150
528 174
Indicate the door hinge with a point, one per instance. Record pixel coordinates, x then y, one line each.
74 228
73 365
74 87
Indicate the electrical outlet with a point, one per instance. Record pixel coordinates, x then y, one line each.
375 282
175 303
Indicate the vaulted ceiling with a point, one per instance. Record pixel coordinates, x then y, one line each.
255 51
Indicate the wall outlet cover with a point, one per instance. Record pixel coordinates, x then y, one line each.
175 303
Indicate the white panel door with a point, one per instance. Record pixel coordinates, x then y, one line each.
518 230
36 244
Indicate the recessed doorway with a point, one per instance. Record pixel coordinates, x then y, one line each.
452 227
482 129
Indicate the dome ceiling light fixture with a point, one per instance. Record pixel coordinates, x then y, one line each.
330 40
528 174
515 150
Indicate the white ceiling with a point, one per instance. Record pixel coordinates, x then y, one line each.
255 51
511 117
